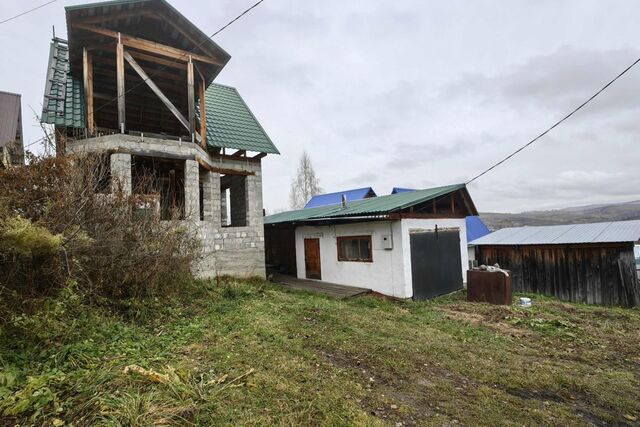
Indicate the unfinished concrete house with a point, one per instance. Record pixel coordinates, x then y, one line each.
134 81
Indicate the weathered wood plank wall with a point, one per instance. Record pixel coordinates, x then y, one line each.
593 274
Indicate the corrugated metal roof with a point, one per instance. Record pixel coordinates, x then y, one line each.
600 232
401 190
365 207
9 117
336 197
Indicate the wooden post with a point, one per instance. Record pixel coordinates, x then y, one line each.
138 69
87 71
453 204
203 116
191 98
120 84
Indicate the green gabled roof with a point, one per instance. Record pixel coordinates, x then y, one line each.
230 123
365 207
63 97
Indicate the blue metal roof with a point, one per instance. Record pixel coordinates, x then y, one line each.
475 228
336 198
397 190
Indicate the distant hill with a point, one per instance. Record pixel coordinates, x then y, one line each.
578 214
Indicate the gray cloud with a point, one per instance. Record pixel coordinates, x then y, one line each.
416 93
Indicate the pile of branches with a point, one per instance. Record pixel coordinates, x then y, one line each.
63 221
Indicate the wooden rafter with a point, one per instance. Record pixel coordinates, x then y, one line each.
238 154
123 14
148 45
171 22
150 58
158 92
259 156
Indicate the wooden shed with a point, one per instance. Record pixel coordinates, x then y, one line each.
589 263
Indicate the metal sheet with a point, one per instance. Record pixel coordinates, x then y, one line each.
9 117
491 287
436 267
601 232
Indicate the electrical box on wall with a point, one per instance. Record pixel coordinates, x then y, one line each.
387 241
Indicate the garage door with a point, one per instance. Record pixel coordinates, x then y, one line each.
436 265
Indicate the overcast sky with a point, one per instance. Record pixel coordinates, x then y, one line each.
413 93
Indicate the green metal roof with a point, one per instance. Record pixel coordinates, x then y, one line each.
231 124
63 97
365 207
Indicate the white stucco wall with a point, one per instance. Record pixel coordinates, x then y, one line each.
384 274
390 271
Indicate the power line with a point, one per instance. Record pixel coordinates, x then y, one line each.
556 124
158 70
28 11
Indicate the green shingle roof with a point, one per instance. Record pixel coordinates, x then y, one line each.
63 97
230 123
365 207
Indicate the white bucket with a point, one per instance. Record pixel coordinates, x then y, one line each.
525 302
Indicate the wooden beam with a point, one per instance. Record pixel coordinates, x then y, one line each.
120 84
223 156
453 203
171 21
259 156
116 15
409 215
191 98
225 171
238 154
156 90
87 73
203 114
149 46
150 58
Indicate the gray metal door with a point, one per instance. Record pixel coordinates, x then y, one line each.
436 265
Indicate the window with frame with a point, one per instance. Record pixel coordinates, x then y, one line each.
355 248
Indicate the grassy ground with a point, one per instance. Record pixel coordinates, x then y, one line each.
254 354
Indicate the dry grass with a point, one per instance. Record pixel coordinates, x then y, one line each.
254 354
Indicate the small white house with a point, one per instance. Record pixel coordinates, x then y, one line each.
406 245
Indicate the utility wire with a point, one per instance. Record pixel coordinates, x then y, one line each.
556 124
28 11
158 70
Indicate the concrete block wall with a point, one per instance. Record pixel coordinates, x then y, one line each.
237 185
191 190
236 251
121 172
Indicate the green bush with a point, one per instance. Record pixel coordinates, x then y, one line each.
59 225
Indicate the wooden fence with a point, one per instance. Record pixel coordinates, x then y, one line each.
589 273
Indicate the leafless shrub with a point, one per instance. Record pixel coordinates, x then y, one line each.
68 223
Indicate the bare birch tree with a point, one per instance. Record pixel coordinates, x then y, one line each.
305 185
